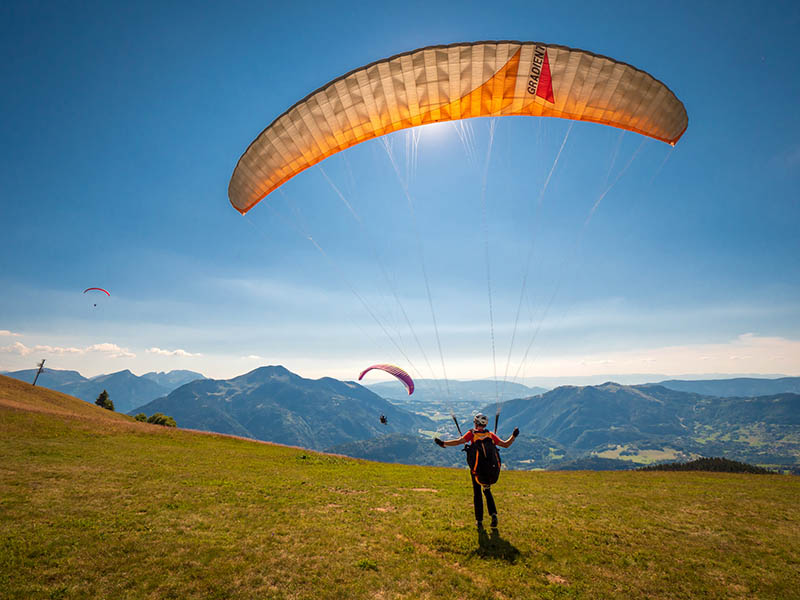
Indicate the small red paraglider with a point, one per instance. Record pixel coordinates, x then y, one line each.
106 292
98 289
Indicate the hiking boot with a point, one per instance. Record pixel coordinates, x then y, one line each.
494 520
479 525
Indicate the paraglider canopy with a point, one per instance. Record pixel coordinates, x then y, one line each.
404 377
98 289
448 83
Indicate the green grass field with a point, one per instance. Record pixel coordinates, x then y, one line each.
95 505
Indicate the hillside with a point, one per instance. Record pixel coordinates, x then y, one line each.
276 405
585 417
126 390
94 505
650 423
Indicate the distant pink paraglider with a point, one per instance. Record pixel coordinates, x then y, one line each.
404 377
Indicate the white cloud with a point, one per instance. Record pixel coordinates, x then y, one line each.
178 352
6 332
59 349
253 357
112 350
747 353
17 348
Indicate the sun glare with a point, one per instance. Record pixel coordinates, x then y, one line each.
436 131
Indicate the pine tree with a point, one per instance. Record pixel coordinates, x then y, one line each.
104 401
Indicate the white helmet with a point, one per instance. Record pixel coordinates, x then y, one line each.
481 420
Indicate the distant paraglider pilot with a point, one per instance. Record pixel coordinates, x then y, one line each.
484 463
96 289
383 419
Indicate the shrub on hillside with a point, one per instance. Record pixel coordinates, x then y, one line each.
160 419
141 417
104 401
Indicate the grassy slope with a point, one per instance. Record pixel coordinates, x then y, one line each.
93 505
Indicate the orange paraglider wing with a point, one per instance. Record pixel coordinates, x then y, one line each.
446 83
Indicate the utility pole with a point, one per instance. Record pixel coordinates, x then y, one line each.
39 372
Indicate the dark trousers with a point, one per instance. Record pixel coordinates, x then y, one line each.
478 501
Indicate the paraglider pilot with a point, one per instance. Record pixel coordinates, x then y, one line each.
484 462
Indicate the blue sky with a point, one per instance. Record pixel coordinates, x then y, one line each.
121 125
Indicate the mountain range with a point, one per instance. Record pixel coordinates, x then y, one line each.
437 398
735 387
276 405
614 426
654 422
125 389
